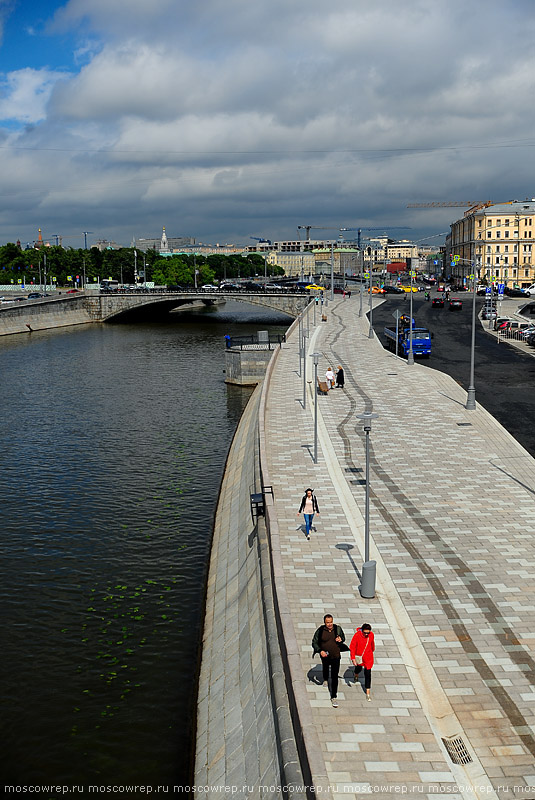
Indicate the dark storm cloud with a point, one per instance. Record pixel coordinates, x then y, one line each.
215 117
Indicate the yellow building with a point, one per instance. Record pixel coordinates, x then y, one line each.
498 239
294 264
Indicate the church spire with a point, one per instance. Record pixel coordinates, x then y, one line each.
164 245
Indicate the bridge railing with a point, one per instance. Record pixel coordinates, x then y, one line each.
254 342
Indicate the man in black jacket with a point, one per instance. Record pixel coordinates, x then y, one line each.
328 641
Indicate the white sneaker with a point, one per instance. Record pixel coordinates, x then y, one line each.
334 702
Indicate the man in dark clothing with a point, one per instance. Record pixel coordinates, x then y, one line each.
328 641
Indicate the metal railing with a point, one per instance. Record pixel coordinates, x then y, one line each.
253 342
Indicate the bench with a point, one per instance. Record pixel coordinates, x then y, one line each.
322 387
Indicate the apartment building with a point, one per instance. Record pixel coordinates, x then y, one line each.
294 264
498 239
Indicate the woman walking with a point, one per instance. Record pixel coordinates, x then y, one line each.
340 378
329 377
309 507
361 650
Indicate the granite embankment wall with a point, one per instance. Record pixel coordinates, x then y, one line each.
38 316
245 735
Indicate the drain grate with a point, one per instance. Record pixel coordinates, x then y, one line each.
457 750
358 483
464 424
353 469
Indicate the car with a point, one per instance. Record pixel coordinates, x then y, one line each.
530 290
229 287
455 304
514 292
34 295
392 290
376 290
409 288
175 287
209 287
73 291
251 286
438 302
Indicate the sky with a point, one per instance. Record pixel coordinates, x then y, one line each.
230 119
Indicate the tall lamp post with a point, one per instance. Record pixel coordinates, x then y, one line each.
332 272
367 588
410 357
315 358
305 334
370 332
471 394
361 258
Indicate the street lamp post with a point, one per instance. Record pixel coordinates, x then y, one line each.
367 588
315 357
370 332
410 357
305 334
332 272
471 394
300 340
360 283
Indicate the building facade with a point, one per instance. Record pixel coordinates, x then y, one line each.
499 240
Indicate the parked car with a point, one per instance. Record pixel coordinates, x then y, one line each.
392 290
209 287
437 301
455 304
514 292
34 295
73 291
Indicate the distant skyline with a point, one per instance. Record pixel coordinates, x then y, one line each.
225 121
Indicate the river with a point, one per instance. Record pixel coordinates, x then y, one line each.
114 443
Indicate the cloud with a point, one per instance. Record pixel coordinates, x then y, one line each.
24 93
278 113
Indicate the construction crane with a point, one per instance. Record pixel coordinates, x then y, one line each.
309 228
388 228
85 238
452 204
264 241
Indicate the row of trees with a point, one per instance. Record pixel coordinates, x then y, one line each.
75 266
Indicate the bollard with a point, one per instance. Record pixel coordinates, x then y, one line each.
367 586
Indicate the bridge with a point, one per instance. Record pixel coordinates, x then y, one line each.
75 309
104 307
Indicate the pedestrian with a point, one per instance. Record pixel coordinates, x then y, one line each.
340 379
361 649
309 507
344 294
328 641
349 294
329 377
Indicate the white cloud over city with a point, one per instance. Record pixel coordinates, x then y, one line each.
222 120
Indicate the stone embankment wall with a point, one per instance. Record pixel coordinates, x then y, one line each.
244 731
246 367
38 316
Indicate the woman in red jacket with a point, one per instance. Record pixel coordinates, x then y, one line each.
361 648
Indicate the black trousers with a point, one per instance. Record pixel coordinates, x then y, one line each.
367 676
331 665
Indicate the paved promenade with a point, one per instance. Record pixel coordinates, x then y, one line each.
452 523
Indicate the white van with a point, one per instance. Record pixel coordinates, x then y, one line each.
530 290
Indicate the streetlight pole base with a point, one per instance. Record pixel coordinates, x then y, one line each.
367 585
471 399
370 334
410 358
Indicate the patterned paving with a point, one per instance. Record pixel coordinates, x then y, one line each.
452 517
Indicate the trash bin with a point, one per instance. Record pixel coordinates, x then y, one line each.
367 586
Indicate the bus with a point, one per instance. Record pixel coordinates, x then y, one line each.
109 285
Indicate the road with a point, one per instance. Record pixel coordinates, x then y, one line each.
504 377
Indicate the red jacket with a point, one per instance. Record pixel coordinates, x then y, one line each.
361 648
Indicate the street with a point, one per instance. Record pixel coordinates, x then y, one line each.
504 377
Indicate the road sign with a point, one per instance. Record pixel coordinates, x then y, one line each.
397 314
488 290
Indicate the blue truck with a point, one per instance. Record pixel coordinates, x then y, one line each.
421 338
